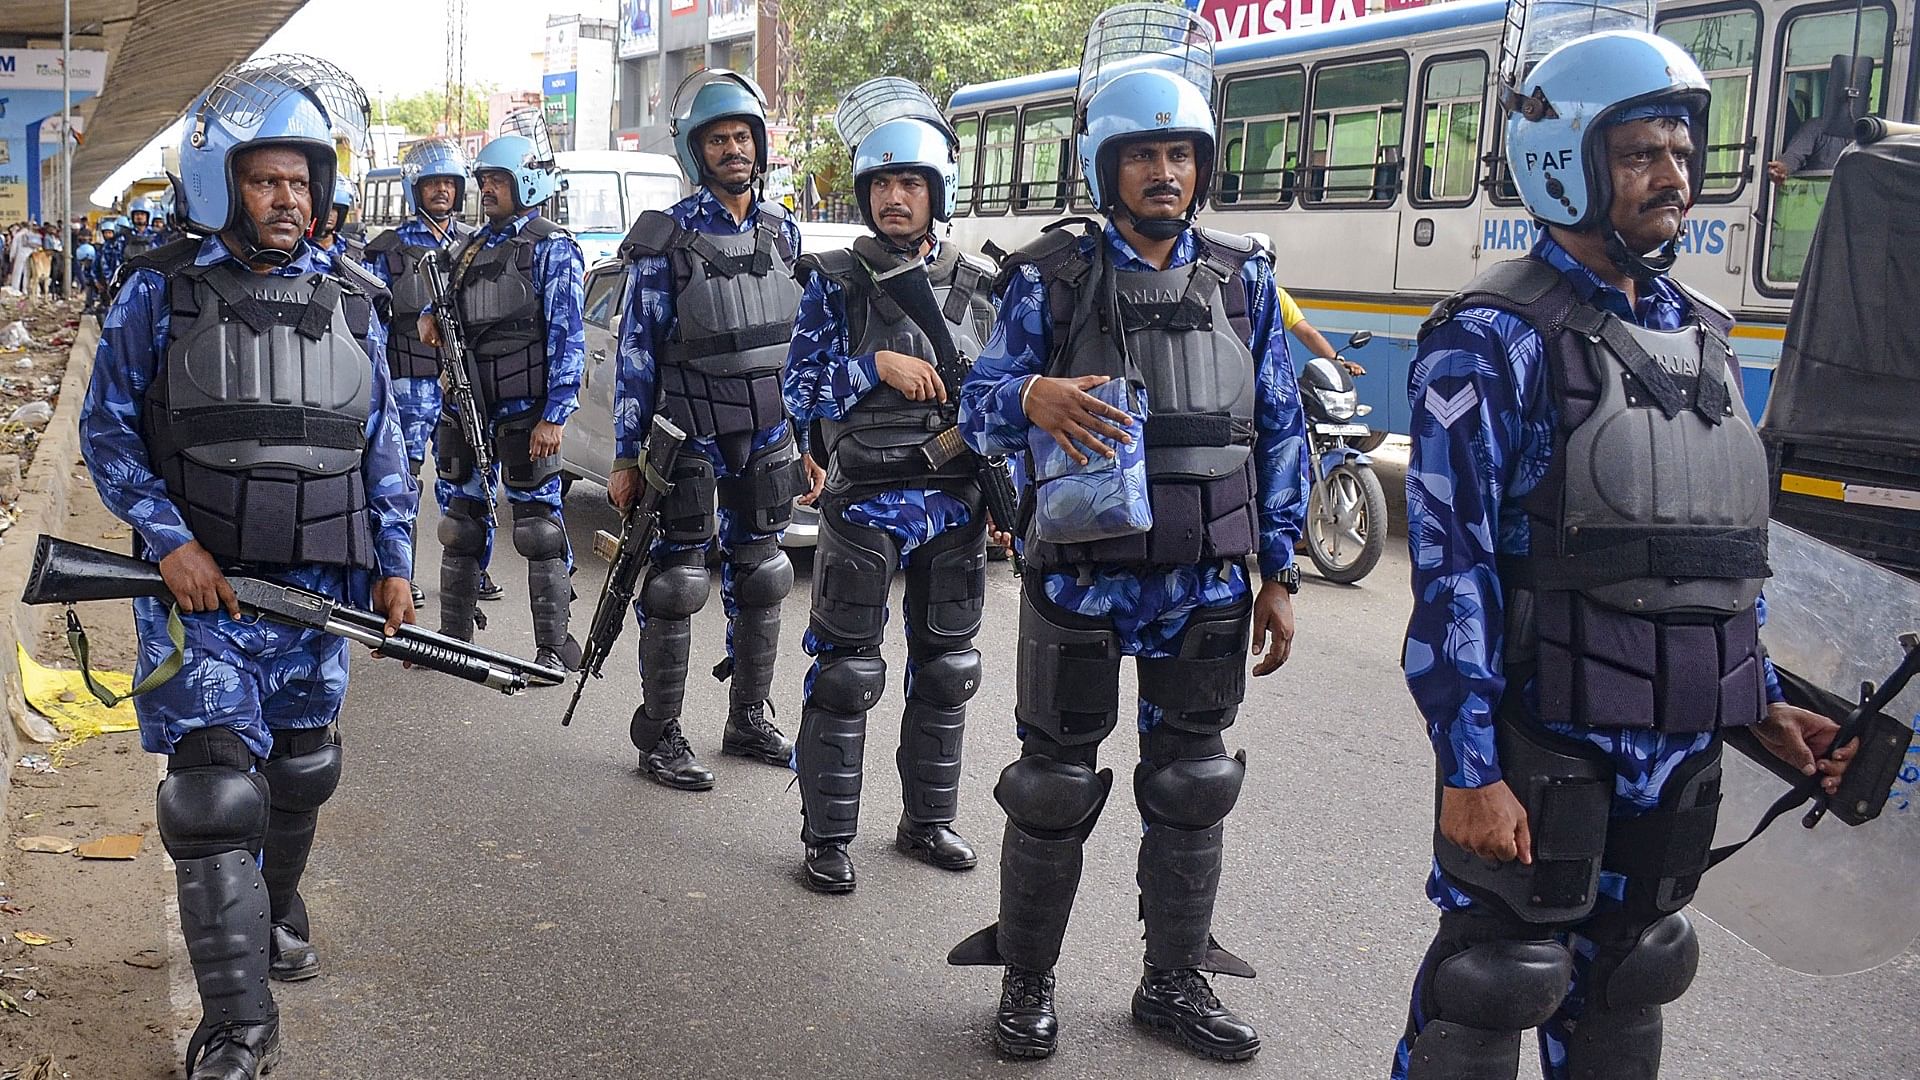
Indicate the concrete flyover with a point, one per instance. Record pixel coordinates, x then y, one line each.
161 53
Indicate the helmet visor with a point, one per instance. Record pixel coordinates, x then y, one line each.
339 94
531 124
1147 37
690 88
877 101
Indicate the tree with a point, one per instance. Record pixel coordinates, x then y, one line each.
837 45
425 113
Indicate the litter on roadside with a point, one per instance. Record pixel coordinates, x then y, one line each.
121 846
46 845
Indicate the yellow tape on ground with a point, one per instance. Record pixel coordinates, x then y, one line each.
63 697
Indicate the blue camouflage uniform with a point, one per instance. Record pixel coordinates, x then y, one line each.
417 399
107 256
1150 608
1483 429
253 676
823 382
644 329
558 272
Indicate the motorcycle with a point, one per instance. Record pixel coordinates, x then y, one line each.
1346 508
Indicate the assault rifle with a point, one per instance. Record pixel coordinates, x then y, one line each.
628 553
458 373
66 573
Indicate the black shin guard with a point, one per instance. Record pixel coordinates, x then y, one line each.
674 590
541 538
1640 963
829 753
762 578
226 925
1052 806
1179 881
932 727
301 776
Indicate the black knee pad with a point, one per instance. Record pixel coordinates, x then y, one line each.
763 583
518 467
947 680
674 592
1656 968
849 684
1500 985
463 528
537 532
1052 799
1189 793
204 811
304 778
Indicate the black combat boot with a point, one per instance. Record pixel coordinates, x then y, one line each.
934 842
829 868
489 589
1025 1026
1181 1001
290 955
750 734
669 759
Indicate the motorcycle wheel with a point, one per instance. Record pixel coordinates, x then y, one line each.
1347 523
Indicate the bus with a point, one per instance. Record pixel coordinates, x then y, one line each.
602 192
1374 218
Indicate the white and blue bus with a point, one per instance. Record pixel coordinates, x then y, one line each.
1375 218
602 192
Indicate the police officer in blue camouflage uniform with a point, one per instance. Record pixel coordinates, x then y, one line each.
1192 315
108 253
710 306
217 472
331 233
143 231
517 285
1587 514
863 368
435 188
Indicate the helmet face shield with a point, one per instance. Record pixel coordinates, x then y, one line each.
1146 74
890 124
434 159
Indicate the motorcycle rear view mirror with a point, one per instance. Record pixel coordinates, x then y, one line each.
1359 338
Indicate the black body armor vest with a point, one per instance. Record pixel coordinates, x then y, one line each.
407 356
256 419
1648 533
734 302
1182 333
504 315
879 442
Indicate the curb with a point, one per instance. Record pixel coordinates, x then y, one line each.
42 511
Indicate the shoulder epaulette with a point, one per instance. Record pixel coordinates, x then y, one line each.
386 242
653 234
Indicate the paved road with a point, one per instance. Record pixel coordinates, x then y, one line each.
495 896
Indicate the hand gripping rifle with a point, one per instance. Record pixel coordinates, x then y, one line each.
627 554
66 573
458 373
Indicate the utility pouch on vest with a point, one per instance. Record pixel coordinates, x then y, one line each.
513 437
1567 788
1102 500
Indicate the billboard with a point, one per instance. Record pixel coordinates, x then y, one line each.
731 18
1236 20
639 33
30 127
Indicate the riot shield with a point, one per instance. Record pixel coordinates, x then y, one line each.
1832 900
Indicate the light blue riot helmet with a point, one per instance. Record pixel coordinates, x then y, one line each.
109 225
343 193
247 109
890 124
430 158
534 177
706 97
1562 108
144 205
1146 74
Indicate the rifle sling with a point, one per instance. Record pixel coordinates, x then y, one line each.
909 286
167 668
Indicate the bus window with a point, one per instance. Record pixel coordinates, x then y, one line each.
1358 112
1817 48
996 163
1452 94
650 191
1260 139
1726 46
590 202
966 130
1046 134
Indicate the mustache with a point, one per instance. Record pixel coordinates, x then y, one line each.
735 159
286 217
1156 190
1666 198
896 211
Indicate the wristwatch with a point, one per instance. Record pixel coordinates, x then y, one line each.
1290 578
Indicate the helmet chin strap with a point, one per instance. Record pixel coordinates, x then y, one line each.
1156 228
1642 268
259 254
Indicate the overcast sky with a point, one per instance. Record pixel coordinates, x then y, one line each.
396 48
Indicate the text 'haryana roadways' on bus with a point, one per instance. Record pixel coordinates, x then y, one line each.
1375 218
